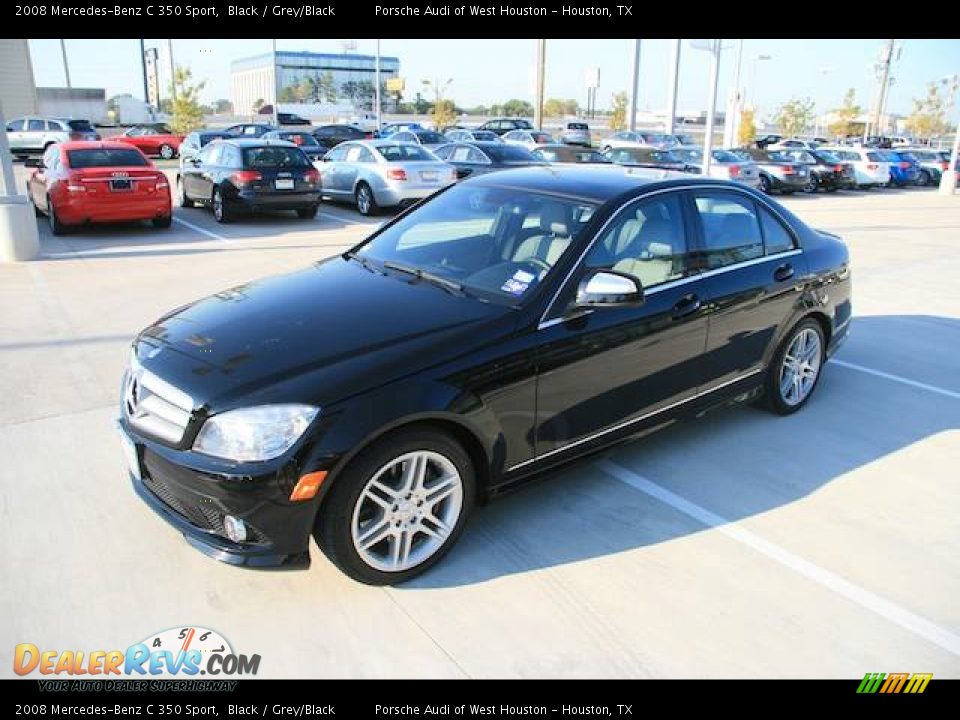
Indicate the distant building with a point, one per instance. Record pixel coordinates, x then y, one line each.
81 103
130 110
18 93
252 78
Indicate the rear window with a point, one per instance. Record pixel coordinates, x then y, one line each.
509 153
105 157
300 138
828 157
874 157
204 139
724 156
577 126
403 153
522 125
485 135
80 125
431 138
274 157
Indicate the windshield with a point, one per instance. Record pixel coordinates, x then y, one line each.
404 153
274 157
105 157
497 243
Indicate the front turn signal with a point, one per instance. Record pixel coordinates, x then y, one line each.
308 486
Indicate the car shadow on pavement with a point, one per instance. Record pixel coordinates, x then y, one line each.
737 463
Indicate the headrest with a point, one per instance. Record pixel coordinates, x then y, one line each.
553 219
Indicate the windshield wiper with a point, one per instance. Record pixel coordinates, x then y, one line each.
366 264
420 274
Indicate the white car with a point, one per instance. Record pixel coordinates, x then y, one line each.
31 135
635 138
869 168
427 138
794 144
528 138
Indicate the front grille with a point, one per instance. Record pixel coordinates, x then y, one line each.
154 406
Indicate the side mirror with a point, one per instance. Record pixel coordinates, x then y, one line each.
33 162
609 288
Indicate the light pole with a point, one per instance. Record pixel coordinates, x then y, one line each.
541 73
731 122
66 65
377 94
948 180
753 76
714 47
672 86
173 72
276 91
634 84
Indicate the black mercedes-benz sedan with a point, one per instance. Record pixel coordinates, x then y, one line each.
508 324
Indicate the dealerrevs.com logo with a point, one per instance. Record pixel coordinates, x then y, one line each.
177 652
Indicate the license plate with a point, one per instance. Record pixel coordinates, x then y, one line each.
284 184
121 185
131 454
429 176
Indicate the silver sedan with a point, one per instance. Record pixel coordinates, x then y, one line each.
382 173
725 165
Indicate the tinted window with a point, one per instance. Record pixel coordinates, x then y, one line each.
731 231
204 139
874 157
522 124
509 153
36 125
274 157
485 135
647 241
430 138
577 126
15 126
105 157
80 125
402 153
776 238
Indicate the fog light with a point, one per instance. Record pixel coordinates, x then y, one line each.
235 527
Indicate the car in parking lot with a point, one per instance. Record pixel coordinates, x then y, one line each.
631 138
388 129
81 182
794 144
777 172
576 132
33 135
291 119
724 165
329 136
501 126
249 130
933 163
250 175
477 158
302 139
152 140
462 135
195 141
562 153
825 170
383 173
870 169
512 323
904 170
648 157
528 138
427 138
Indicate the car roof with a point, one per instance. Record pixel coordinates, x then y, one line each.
587 182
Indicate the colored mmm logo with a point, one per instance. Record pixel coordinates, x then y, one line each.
894 683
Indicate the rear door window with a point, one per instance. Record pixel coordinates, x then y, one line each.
731 229
35 125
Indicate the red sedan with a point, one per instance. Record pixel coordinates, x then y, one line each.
88 182
152 141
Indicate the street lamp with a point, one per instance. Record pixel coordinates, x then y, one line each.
753 75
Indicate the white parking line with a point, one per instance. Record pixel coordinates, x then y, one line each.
866 599
202 231
346 221
898 378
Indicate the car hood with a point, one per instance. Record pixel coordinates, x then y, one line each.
317 335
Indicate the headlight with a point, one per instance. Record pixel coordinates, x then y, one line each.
252 434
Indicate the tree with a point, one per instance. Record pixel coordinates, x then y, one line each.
844 117
571 107
554 107
257 104
306 90
327 87
747 131
287 94
444 113
794 116
929 116
223 107
517 108
618 117
420 105
185 108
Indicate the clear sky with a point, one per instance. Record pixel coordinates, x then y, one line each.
488 71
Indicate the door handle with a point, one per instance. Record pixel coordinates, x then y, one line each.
687 305
783 273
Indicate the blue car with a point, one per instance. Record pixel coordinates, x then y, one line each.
904 169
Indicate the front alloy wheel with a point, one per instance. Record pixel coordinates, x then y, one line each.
167 152
397 507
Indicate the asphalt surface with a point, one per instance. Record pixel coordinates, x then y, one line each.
738 545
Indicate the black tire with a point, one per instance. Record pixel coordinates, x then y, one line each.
765 185
221 212
332 530
772 397
366 200
162 223
167 152
185 202
56 227
308 213
924 179
813 184
787 192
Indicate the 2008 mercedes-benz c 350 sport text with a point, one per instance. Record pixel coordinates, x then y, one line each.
506 325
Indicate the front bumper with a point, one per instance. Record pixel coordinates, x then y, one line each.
194 503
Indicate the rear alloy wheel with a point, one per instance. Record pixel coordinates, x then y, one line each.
307 213
795 370
366 202
220 212
185 202
813 184
167 152
398 507
765 185
56 227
